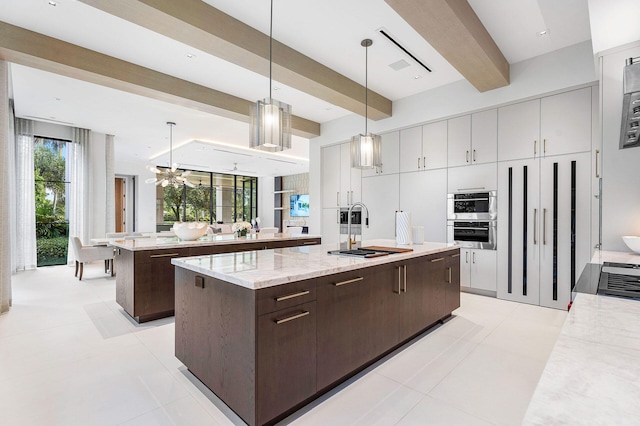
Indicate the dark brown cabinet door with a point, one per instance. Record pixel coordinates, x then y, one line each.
286 360
387 307
452 283
345 318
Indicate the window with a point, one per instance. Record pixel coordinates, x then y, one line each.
51 188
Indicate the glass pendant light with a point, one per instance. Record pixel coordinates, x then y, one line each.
170 176
365 148
270 124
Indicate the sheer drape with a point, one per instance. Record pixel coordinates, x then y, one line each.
25 243
6 188
110 214
79 197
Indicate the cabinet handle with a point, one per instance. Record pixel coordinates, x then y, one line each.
404 267
449 280
349 281
338 216
597 154
338 198
544 226
309 242
534 148
292 317
424 162
535 227
164 255
466 257
544 146
291 296
418 162
351 197
466 156
399 279
474 155
437 260
455 255
473 257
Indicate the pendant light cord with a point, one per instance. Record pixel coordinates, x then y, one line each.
366 88
270 48
170 145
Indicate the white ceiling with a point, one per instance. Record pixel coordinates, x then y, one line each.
328 31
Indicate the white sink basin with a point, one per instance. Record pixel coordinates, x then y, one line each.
632 242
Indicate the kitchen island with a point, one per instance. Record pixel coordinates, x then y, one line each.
269 331
145 277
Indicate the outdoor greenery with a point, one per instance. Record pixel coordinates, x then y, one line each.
197 207
50 189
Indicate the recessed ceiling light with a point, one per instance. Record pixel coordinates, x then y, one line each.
276 88
52 3
191 56
58 99
543 33
417 77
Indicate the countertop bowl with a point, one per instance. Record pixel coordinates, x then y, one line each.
632 242
189 231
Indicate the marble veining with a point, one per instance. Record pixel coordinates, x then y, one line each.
265 268
593 373
160 243
616 256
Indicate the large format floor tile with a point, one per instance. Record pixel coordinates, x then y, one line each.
70 355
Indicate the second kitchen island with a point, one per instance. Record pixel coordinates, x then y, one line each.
269 331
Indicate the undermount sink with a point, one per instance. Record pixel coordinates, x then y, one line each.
366 253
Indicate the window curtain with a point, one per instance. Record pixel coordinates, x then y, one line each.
6 188
25 243
79 196
110 190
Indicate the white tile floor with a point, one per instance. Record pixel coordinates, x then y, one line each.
70 356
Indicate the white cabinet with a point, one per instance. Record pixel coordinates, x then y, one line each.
473 139
340 183
459 141
424 147
380 195
478 269
350 178
424 195
543 228
390 152
519 131
565 122
565 244
330 226
481 177
330 169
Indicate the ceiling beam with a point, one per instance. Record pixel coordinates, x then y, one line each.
197 24
454 30
35 50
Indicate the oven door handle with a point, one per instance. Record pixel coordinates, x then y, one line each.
471 199
471 228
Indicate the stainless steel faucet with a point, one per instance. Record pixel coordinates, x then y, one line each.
366 220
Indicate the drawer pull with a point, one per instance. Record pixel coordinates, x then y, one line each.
292 317
437 260
164 255
449 280
349 281
291 296
309 242
455 255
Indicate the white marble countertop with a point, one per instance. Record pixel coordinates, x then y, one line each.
160 243
266 268
593 374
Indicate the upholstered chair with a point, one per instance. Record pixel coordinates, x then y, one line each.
294 230
268 230
86 254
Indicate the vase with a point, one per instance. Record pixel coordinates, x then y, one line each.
242 233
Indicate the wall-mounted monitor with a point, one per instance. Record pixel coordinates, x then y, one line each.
299 205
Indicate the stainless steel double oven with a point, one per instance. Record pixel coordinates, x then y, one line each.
472 219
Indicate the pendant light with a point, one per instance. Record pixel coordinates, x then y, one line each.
365 148
170 176
270 125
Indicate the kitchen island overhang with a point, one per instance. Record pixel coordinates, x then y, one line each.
269 331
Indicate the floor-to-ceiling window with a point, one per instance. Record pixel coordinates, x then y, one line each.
215 197
51 187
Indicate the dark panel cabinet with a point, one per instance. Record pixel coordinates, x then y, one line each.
452 283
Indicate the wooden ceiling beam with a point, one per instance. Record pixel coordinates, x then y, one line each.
197 24
35 50
454 30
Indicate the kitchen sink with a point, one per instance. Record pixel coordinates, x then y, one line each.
360 252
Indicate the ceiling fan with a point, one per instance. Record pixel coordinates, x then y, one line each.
235 170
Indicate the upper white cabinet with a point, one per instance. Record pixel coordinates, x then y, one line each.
423 147
341 184
459 141
424 195
482 177
389 152
473 139
565 122
519 131
380 195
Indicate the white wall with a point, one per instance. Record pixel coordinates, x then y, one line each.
97 184
266 186
145 194
569 67
620 168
